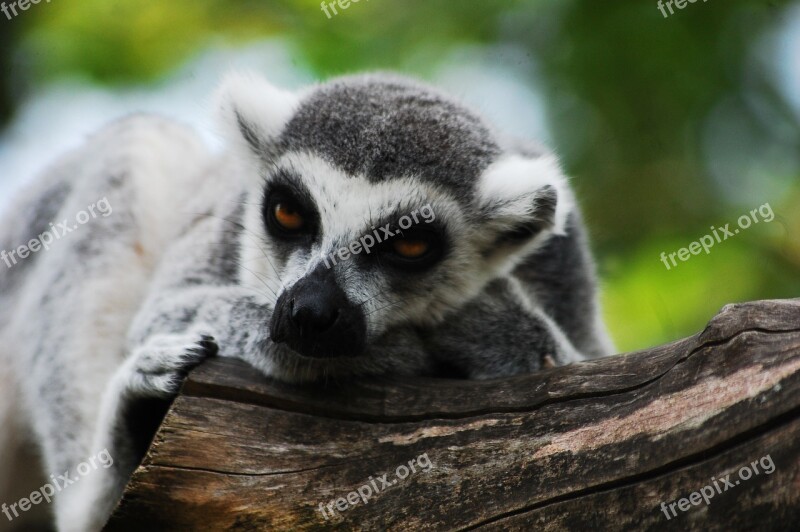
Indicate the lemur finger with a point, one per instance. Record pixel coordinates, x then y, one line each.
170 353
159 369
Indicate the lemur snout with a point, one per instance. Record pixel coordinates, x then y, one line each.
315 318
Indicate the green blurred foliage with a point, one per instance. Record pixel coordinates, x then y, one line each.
628 95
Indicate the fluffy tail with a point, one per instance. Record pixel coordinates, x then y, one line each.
23 218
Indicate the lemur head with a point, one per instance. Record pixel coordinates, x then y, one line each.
377 202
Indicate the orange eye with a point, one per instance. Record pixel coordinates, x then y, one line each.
410 249
288 217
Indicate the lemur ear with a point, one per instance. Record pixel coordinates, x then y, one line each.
253 112
524 198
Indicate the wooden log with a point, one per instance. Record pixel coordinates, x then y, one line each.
595 445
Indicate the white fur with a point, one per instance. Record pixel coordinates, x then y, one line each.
513 182
265 107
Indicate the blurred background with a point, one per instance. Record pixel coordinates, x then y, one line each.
668 126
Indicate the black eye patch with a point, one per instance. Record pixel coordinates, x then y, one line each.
288 210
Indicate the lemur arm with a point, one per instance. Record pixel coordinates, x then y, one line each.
194 309
501 332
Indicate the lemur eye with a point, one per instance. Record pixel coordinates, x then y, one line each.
289 217
410 249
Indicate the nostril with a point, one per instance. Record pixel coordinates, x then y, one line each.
313 318
333 318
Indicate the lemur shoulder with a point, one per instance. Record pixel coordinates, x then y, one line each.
228 255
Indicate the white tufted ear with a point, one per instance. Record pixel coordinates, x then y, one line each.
253 111
523 197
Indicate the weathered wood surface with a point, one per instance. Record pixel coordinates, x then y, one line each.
598 445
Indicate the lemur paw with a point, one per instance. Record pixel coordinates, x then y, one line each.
158 368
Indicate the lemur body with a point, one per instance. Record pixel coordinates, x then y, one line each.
224 255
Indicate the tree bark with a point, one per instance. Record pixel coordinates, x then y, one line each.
596 445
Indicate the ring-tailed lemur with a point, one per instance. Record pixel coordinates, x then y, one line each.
226 254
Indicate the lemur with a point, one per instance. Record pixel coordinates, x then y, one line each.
225 254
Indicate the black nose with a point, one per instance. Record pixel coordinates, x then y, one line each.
316 319
313 316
